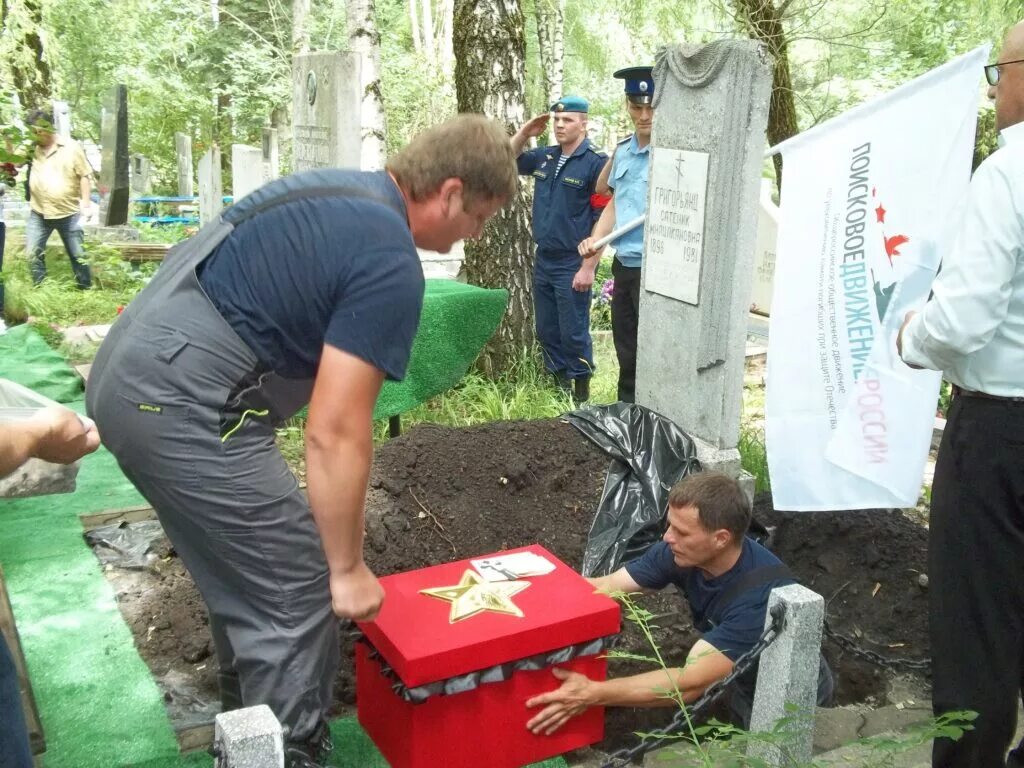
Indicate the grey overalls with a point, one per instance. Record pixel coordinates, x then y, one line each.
180 401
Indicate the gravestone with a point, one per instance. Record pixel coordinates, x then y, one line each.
114 191
246 170
326 109
711 112
764 251
62 119
183 147
142 170
211 187
271 155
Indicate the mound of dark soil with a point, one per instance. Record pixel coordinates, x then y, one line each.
439 494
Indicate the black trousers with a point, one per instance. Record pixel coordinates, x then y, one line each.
625 321
976 578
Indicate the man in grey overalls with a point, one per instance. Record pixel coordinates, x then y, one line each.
306 291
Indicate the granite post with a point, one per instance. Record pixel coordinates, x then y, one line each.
708 141
326 109
114 191
248 738
183 148
787 677
246 170
211 186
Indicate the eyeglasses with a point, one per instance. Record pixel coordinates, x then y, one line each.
992 70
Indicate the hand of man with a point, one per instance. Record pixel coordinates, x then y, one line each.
571 699
899 339
586 248
583 280
536 126
356 594
64 436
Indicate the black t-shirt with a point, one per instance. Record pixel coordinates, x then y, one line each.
339 267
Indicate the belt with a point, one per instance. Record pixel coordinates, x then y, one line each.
961 392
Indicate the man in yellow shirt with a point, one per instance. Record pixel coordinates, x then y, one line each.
59 187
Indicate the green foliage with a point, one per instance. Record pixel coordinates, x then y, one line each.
985 137
59 301
754 457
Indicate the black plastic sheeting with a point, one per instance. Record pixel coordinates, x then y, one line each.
126 545
649 454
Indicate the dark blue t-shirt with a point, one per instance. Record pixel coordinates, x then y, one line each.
339 267
742 621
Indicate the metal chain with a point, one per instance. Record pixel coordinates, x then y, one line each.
655 738
848 644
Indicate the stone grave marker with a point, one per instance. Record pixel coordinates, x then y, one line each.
211 187
114 191
271 155
183 147
142 170
246 170
708 141
764 253
326 109
62 119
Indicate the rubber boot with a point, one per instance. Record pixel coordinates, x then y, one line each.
581 390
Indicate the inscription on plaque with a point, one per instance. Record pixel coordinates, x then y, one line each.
312 147
675 223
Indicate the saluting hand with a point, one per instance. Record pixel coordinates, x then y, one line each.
356 594
536 126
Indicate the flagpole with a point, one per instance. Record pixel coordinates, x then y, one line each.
629 226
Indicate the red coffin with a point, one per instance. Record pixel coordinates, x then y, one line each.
485 726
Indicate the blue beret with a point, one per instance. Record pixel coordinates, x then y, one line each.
571 104
639 84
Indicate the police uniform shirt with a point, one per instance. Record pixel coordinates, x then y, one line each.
562 213
336 269
628 181
973 327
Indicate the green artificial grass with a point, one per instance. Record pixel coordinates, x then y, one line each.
457 320
98 703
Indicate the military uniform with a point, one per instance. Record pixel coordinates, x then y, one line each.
628 181
563 215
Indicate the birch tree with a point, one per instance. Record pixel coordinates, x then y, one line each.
550 35
364 40
490 51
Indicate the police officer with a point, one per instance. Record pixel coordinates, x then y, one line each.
628 181
307 291
565 181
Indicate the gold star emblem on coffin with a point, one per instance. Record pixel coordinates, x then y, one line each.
473 594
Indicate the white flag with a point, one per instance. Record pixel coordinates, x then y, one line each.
870 202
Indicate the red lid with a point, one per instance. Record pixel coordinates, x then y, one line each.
416 638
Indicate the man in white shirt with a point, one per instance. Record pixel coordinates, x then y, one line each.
972 329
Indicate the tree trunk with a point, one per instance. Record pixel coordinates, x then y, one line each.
29 70
490 50
427 19
549 39
446 53
763 20
300 27
414 26
364 39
